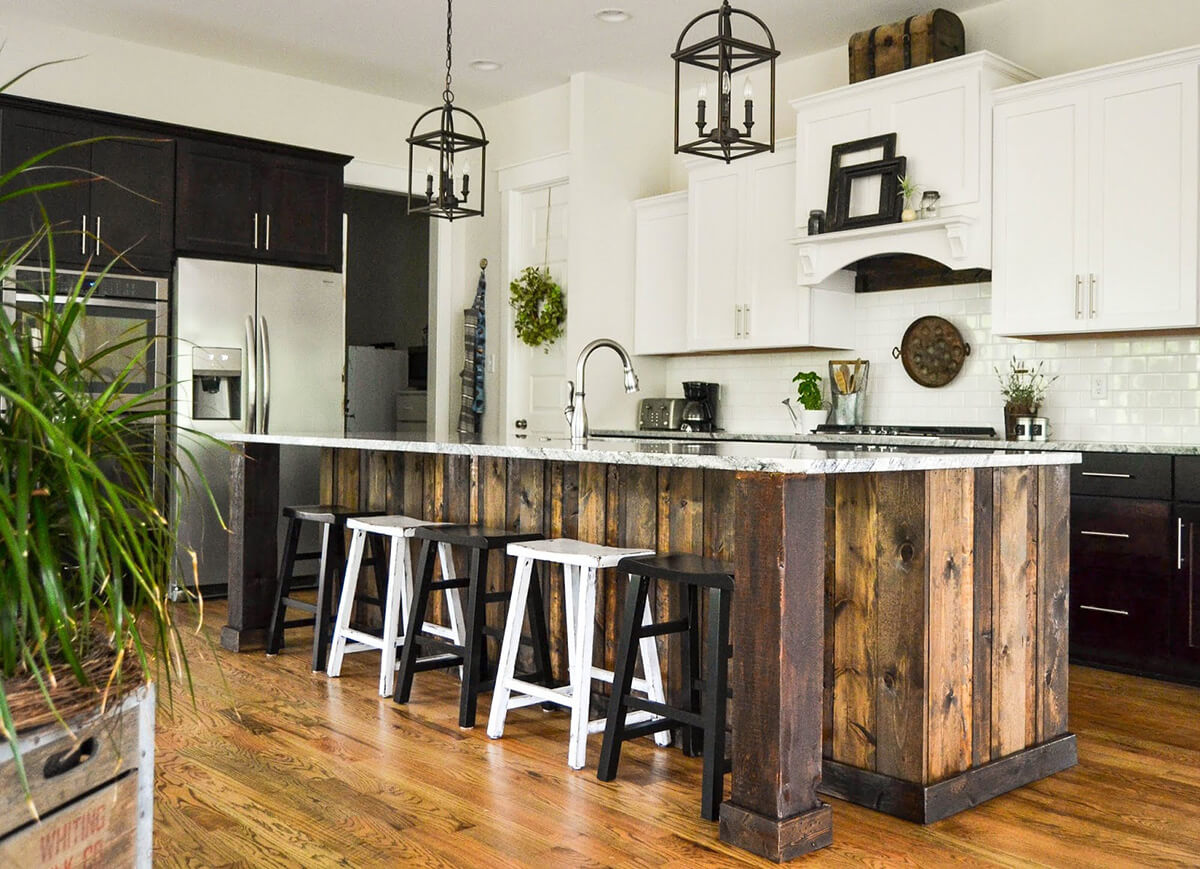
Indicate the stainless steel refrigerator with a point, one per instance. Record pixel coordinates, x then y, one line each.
257 349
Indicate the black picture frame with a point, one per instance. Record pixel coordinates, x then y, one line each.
890 205
837 156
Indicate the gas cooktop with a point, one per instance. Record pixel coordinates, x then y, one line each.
918 431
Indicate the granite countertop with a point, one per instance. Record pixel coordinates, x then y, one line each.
786 458
903 441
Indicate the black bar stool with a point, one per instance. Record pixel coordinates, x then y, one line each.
332 555
704 718
476 674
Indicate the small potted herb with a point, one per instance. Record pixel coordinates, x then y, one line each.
1024 390
812 406
908 190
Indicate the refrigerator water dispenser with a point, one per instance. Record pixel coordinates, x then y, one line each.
216 383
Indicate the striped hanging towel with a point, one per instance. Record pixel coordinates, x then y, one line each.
480 341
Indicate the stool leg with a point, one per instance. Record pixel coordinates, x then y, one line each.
416 616
346 604
333 544
716 685
399 576
283 587
475 660
693 737
648 646
509 646
581 678
453 599
610 751
571 575
538 632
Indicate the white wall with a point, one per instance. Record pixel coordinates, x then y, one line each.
132 79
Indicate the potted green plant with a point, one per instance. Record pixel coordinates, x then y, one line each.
1024 389
908 190
85 548
812 406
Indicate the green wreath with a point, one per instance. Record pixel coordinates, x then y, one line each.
538 302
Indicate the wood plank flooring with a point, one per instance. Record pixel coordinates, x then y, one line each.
275 766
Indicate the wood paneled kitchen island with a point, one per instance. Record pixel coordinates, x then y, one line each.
902 615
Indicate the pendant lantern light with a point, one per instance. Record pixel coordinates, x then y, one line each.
445 155
726 57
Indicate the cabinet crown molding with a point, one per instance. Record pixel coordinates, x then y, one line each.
1092 75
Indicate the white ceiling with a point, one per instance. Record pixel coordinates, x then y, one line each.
396 48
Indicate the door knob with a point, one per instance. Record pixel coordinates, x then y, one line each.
521 424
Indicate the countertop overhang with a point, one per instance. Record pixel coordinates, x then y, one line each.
777 457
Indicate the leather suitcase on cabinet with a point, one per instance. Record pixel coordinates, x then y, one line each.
915 41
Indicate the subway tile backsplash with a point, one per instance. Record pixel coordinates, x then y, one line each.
1153 381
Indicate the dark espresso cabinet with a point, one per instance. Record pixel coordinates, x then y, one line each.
263 206
118 197
1135 580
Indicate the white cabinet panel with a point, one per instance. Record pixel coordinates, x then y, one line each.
815 138
1039 246
775 310
939 156
660 282
715 220
1095 226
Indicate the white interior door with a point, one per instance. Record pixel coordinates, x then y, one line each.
536 378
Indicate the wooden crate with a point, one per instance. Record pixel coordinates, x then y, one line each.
93 791
915 41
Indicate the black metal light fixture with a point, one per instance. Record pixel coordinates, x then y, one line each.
726 56
452 164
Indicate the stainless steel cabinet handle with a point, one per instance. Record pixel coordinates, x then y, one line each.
1116 534
1092 293
1103 609
1104 474
1079 297
256 230
1179 545
83 235
737 321
745 321
251 378
266 374
97 235
268 232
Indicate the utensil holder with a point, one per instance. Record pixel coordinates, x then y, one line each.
848 408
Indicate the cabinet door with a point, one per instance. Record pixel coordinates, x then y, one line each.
660 276
1143 216
26 134
1039 244
217 196
714 224
775 309
302 208
1185 597
133 203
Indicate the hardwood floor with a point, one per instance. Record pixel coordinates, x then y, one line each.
275 766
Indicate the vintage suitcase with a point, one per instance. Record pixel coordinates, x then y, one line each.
914 41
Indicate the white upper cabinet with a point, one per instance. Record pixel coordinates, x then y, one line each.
660 290
743 292
941 115
1095 178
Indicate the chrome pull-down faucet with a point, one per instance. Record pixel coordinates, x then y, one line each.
575 411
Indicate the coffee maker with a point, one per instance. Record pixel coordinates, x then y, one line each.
700 411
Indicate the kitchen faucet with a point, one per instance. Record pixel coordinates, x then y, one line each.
575 411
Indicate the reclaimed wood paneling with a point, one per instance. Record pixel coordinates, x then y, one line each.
680 529
981 694
413 481
608 615
1054 553
951 496
899 665
855 569
1014 577
830 597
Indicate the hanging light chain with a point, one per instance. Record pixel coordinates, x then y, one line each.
447 94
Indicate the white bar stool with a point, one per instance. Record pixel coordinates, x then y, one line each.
397 599
580 562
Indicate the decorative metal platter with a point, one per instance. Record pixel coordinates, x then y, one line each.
932 350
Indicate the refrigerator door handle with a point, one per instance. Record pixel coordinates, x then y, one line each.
265 340
251 378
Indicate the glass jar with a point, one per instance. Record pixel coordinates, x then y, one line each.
816 222
929 204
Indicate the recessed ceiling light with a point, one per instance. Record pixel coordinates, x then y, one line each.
485 65
612 16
